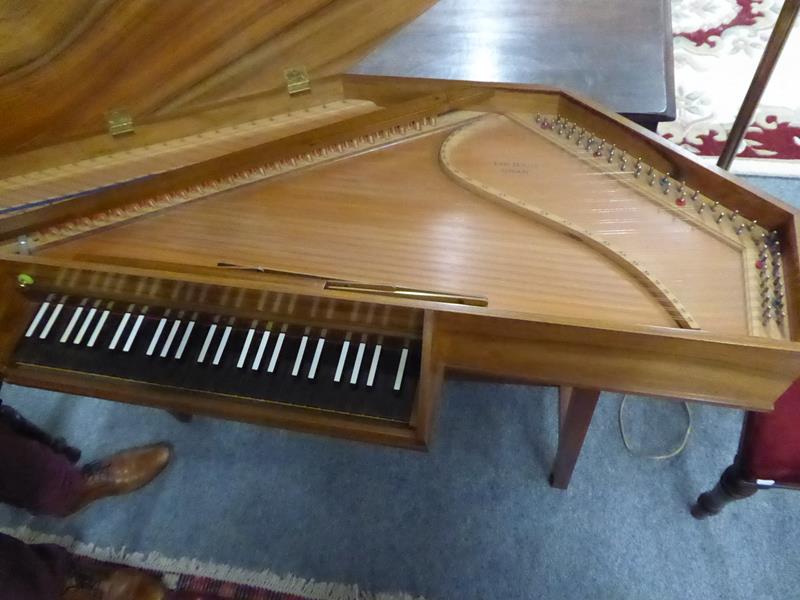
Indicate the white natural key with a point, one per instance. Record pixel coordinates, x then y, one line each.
137 324
85 325
357 366
156 336
246 347
120 328
260 352
312 371
176 325
226 333
98 328
337 376
209 336
298 360
187 333
37 318
398 380
276 352
52 320
373 367
71 325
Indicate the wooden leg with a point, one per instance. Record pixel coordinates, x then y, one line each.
783 26
575 410
731 486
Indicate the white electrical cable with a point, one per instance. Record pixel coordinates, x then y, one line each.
672 453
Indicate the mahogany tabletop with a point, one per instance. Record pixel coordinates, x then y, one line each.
618 52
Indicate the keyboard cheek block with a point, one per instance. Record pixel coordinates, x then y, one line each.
348 383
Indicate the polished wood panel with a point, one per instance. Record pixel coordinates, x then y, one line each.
744 372
158 59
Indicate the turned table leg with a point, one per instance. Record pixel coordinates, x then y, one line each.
575 410
731 486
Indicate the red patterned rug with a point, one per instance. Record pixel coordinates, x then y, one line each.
718 44
188 578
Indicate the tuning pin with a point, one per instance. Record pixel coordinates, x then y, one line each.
611 152
681 200
701 208
713 207
652 175
666 182
695 196
733 214
589 142
739 228
623 162
599 151
751 225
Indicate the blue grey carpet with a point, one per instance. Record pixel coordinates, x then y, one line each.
472 519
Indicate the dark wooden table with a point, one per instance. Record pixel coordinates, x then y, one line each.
618 52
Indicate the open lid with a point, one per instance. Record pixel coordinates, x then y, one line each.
75 69
66 68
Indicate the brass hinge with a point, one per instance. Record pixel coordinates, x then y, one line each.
119 121
297 80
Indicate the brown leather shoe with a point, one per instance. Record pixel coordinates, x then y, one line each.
123 472
118 584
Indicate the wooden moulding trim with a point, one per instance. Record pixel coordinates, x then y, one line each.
249 158
750 373
213 405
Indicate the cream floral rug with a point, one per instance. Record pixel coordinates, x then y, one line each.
718 44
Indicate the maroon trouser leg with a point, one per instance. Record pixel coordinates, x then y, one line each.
32 572
34 477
